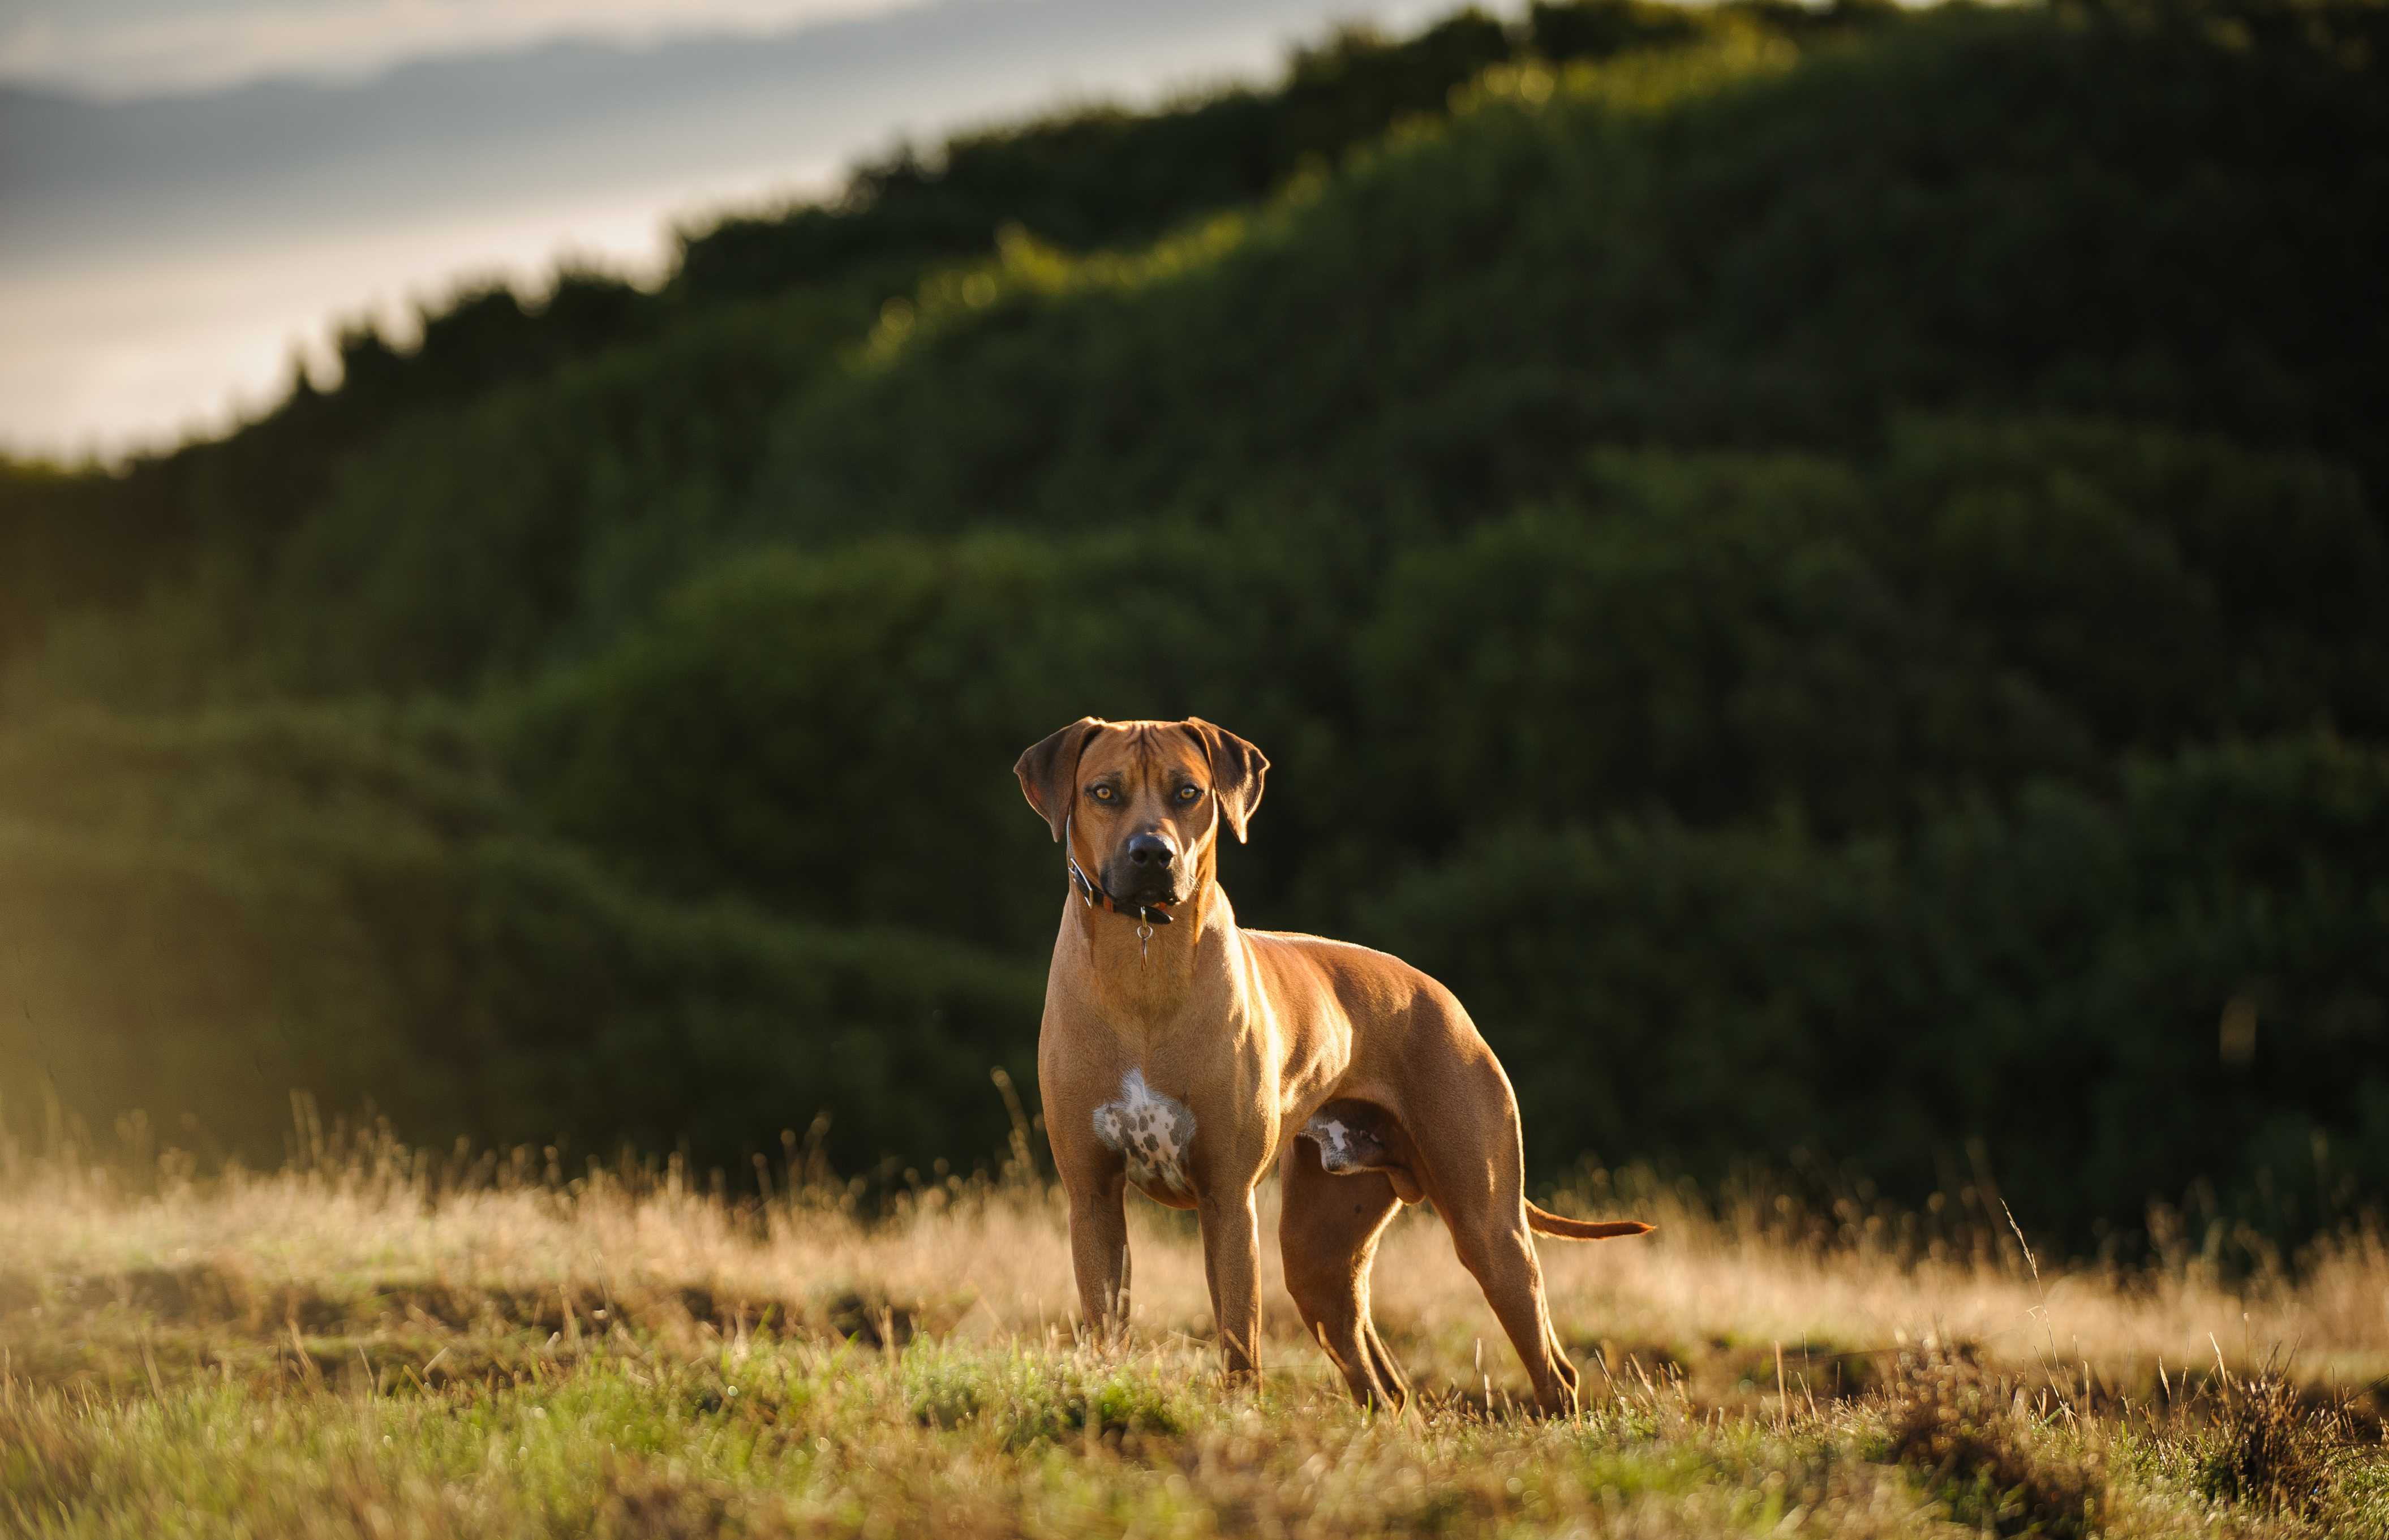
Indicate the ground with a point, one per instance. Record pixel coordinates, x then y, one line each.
372 1344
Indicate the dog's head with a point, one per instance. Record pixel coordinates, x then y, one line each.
1143 802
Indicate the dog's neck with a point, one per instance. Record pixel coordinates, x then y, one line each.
1146 984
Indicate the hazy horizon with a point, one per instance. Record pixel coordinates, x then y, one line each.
116 50
167 259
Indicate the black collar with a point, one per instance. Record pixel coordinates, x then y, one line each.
1089 890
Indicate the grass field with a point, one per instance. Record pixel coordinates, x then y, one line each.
364 1344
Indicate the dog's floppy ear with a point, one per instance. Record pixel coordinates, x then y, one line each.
1237 769
1049 772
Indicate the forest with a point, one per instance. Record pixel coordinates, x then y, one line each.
1827 569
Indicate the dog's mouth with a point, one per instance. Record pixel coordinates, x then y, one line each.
1130 888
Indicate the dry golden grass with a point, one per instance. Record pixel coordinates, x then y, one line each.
350 1346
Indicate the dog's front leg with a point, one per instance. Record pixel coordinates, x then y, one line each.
1232 1261
1099 1249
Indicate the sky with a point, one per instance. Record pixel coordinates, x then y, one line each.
132 47
194 195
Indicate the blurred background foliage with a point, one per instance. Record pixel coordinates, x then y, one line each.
1825 568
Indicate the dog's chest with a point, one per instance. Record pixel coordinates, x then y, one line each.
1154 1134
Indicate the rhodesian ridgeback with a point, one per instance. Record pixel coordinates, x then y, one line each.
1183 1055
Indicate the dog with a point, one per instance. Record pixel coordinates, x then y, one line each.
1184 1056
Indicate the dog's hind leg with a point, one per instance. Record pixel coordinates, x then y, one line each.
1503 1257
1478 1186
1328 1232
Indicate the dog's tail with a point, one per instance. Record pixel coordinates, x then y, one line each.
1548 1223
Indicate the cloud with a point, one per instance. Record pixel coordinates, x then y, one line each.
120 56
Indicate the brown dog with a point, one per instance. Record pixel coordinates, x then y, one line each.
1183 1055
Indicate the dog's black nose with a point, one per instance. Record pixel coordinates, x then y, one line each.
1149 852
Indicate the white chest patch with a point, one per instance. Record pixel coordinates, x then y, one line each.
1154 1133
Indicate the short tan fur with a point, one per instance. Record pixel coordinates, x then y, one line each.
1191 1058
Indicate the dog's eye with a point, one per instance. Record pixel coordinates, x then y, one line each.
1102 793
1188 793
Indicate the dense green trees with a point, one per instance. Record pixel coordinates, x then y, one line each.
2055 980
204 916
1825 569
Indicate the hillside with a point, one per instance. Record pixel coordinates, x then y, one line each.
1824 569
